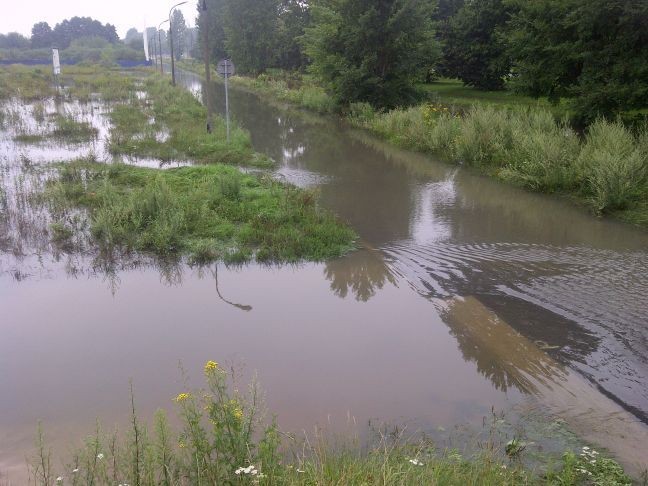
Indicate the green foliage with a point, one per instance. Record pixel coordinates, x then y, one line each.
592 52
179 29
208 212
589 467
251 28
473 49
368 51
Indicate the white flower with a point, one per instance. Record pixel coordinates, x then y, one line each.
299 470
100 455
416 462
59 479
75 470
503 466
585 448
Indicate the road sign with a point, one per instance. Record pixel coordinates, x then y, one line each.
225 68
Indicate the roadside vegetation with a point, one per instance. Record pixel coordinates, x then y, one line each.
225 437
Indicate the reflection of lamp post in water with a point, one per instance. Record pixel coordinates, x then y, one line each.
246 308
171 41
160 44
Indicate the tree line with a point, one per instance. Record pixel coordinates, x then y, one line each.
591 52
61 36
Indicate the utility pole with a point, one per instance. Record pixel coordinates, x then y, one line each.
160 45
205 49
173 82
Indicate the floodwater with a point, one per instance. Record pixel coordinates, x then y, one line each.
464 295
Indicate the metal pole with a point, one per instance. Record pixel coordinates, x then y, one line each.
171 42
207 70
227 105
160 45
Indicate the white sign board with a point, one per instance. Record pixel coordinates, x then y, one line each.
56 63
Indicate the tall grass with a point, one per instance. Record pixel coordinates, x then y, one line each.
209 212
608 169
224 437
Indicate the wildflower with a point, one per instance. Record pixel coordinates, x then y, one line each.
503 466
75 470
210 366
100 455
182 397
182 445
59 479
416 462
238 413
299 470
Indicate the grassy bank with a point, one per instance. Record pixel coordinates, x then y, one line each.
224 438
607 169
210 212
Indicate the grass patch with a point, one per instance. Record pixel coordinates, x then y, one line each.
211 212
224 439
71 130
26 82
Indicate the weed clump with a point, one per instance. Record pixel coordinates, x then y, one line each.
211 212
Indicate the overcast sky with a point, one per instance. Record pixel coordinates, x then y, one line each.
19 16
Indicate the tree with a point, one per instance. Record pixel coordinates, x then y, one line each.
134 39
371 50
445 11
78 27
179 27
14 40
41 35
474 50
591 51
293 18
251 29
212 20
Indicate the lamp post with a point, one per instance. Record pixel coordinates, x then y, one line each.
171 41
160 45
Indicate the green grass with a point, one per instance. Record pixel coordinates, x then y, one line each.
454 92
26 82
225 438
210 212
71 130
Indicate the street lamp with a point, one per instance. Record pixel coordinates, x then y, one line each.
160 45
205 49
171 41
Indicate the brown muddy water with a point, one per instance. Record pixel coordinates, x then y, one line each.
465 295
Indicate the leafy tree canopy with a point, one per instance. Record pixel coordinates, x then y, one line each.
371 50
593 51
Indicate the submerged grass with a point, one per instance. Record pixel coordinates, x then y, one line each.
225 438
170 124
211 212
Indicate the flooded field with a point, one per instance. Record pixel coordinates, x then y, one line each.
463 296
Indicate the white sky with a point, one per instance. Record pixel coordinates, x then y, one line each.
19 16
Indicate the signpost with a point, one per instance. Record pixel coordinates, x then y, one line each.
226 69
56 66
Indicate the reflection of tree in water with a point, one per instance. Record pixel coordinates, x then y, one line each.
501 354
362 272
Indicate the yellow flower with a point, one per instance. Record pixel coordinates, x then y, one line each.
182 445
211 366
182 397
238 414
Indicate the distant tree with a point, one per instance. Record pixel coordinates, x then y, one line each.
41 35
251 29
212 21
77 27
443 14
594 52
179 27
293 16
14 40
474 50
134 39
371 50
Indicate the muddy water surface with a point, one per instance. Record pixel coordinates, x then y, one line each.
465 295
